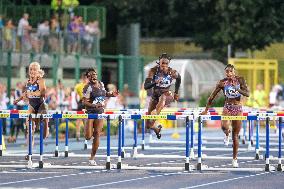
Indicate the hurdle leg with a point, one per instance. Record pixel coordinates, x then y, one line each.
119 144
279 166
267 166
134 154
257 141
244 131
40 163
30 163
187 144
191 155
56 152
143 135
122 139
108 143
66 137
1 147
199 164
249 129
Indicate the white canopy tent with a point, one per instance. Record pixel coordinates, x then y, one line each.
197 76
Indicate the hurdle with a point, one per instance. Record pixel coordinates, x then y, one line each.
257 118
188 123
135 154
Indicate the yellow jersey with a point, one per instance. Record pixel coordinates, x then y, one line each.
79 89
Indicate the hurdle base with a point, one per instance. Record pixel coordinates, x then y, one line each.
191 155
118 165
186 166
30 164
257 156
85 146
198 167
243 141
0 152
267 168
108 165
56 153
66 154
122 154
279 167
40 164
143 147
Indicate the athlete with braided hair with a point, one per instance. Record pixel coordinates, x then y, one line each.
159 79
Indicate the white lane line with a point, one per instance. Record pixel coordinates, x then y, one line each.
117 182
26 172
38 179
222 181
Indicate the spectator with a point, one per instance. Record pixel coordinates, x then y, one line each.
259 97
43 34
92 32
54 34
8 35
23 33
73 35
113 102
3 103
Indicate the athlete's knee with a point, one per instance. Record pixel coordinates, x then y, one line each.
96 134
88 135
224 128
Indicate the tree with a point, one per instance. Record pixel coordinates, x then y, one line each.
212 24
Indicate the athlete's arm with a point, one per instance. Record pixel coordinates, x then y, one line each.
213 95
243 87
87 97
42 88
149 83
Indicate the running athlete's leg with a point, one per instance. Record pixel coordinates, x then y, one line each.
236 125
98 126
88 129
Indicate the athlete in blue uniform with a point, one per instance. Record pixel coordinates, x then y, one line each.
94 95
35 93
233 87
159 79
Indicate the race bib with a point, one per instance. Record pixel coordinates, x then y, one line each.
231 92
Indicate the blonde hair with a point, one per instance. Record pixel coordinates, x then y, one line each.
37 65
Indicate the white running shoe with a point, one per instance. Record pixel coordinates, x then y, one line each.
227 139
92 162
235 163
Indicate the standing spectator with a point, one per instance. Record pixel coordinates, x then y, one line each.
60 95
43 34
54 34
274 99
23 33
8 35
3 103
73 35
92 32
82 33
259 97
